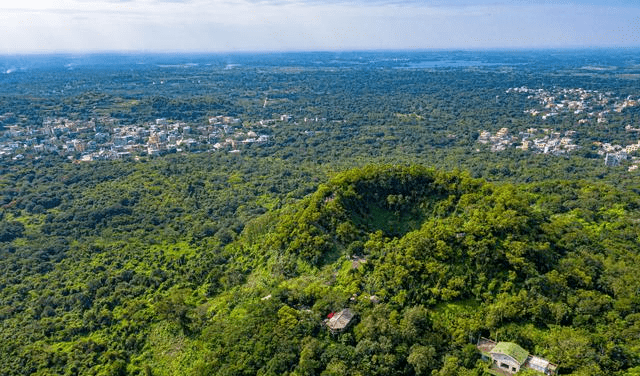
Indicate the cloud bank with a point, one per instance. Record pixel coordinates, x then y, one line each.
268 25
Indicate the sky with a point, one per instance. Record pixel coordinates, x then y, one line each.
42 26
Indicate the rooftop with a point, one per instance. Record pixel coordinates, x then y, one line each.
538 362
511 349
340 320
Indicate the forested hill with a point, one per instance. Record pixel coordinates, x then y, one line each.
429 261
426 260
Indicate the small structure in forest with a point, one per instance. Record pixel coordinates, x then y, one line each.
508 358
339 321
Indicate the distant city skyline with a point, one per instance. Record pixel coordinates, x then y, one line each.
37 26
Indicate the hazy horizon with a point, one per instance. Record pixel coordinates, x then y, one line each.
229 26
290 51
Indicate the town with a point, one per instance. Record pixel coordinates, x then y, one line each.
595 108
105 138
108 138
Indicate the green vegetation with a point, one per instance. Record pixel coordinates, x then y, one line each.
374 195
428 260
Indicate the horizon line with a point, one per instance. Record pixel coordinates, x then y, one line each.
293 50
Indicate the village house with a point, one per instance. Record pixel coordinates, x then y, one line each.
508 358
339 321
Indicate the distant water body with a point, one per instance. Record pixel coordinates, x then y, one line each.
453 64
17 64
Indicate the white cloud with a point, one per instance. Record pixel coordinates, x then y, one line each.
223 25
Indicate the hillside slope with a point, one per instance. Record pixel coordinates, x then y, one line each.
428 262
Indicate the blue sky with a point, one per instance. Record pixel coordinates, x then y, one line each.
28 26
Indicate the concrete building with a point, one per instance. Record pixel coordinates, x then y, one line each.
508 358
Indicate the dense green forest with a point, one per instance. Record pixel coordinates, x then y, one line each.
376 196
163 268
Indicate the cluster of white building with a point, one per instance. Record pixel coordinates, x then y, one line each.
54 136
500 141
614 155
544 141
547 141
594 104
104 138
